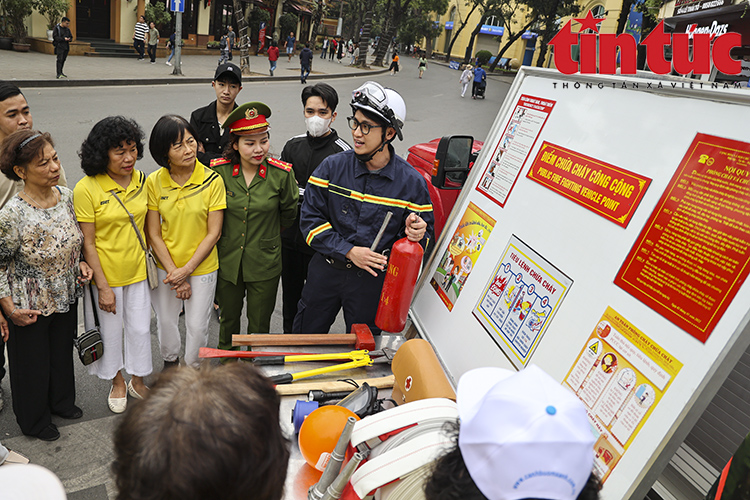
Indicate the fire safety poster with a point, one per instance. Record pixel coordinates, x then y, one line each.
518 302
693 254
620 375
459 258
510 153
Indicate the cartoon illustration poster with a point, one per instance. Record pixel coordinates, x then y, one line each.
459 258
620 375
519 300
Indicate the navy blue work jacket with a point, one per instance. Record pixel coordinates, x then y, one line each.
345 204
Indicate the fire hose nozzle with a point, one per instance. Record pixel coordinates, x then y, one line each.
333 466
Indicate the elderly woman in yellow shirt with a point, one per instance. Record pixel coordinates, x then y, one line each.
186 202
104 199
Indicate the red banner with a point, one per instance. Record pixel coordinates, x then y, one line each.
262 37
692 255
607 190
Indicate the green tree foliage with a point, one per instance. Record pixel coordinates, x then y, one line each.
52 10
158 14
550 13
17 11
483 57
288 23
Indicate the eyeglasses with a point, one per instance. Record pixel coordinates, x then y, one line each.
364 127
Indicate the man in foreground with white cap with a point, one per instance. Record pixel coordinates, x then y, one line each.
522 436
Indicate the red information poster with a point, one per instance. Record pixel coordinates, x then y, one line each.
693 253
607 190
510 153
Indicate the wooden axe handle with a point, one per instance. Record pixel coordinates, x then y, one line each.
295 339
208 352
332 386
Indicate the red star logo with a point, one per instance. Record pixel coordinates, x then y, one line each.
589 22
408 382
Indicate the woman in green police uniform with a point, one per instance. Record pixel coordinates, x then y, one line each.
261 199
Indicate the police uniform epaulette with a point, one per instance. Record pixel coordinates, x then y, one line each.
287 167
218 161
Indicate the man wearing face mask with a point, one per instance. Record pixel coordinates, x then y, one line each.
305 152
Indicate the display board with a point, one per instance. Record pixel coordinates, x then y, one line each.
614 250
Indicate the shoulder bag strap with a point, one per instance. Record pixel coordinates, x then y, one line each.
132 221
94 307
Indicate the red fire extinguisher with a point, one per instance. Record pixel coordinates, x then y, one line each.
398 288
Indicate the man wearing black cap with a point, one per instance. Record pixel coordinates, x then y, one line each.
208 119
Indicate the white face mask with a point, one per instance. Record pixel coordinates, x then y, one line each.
317 126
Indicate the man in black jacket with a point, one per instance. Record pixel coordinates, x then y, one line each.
207 120
305 152
305 60
61 38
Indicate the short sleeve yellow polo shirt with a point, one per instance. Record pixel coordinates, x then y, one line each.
120 253
184 212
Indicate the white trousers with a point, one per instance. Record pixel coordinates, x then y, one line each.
126 335
464 86
198 309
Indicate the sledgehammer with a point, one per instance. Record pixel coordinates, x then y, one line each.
361 338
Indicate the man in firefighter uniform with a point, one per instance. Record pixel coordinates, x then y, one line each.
346 201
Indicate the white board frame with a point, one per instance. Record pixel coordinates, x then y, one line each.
705 365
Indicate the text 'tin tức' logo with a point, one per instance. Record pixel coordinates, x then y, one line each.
707 46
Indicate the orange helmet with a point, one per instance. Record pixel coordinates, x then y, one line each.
320 432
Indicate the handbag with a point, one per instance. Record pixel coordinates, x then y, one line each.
90 346
151 269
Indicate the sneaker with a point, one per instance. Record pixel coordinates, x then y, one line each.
153 62
63 75
58 76
168 63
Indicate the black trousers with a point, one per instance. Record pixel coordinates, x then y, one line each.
328 289
294 264
62 55
152 52
40 357
139 46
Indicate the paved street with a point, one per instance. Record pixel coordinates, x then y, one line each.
82 456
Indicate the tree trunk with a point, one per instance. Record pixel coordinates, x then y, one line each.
392 28
317 17
470 47
428 47
364 45
458 32
549 17
624 13
239 15
510 42
385 38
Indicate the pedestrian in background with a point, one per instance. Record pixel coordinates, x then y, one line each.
61 38
325 47
40 283
305 61
479 81
139 37
332 49
223 49
261 199
153 41
170 46
231 40
289 45
273 56
422 64
184 198
340 50
355 54
112 192
466 77
394 63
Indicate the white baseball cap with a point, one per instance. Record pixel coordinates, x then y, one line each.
523 435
